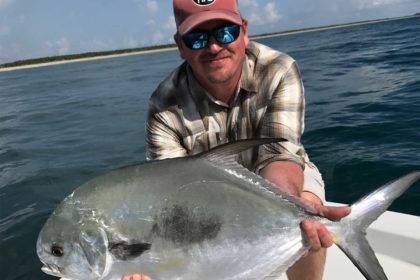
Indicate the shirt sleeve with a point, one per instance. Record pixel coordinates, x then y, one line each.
162 140
284 118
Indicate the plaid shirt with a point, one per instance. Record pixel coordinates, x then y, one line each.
184 119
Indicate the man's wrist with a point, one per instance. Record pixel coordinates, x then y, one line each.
285 174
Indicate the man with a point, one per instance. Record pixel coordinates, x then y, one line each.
228 89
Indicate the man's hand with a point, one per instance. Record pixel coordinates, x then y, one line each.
289 177
318 236
135 276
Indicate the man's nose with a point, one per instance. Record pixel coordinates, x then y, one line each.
214 46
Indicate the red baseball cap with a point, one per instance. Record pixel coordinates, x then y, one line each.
190 13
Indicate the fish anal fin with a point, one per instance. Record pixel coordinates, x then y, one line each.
358 250
124 251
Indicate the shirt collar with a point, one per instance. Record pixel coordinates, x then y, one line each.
247 82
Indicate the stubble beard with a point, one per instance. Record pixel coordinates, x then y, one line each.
220 79
222 74
219 74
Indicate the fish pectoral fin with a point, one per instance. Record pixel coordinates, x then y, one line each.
123 250
93 243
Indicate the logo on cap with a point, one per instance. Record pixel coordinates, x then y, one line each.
203 2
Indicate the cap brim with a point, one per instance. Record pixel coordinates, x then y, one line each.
198 18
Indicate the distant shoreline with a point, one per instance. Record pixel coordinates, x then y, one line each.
329 27
33 63
64 61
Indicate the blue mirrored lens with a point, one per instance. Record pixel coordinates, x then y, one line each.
196 40
227 34
223 35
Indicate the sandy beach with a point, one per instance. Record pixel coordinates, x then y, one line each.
256 37
83 59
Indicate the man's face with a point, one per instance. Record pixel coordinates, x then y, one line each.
217 63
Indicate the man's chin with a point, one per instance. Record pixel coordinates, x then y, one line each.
217 75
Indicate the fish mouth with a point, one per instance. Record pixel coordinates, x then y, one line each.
52 270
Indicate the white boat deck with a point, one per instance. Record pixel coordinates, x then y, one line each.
395 238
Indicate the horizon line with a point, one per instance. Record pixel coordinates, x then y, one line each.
78 57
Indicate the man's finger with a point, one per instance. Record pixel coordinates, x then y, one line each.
145 277
324 235
135 276
334 212
311 234
138 276
317 235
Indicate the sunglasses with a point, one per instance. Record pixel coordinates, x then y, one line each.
200 39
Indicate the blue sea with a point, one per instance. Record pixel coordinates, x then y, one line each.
64 124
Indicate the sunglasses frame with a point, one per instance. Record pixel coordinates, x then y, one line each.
230 29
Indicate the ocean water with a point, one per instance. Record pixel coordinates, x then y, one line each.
64 124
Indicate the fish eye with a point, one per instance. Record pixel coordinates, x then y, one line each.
57 251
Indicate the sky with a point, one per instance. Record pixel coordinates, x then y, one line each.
40 28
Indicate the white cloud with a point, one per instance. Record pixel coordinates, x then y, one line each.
369 4
60 46
130 42
4 3
170 24
4 30
161 33
151 22
260 16
255 19
157 37
248 3
271 13
152 7
96 45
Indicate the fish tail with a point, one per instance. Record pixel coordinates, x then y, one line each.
350 235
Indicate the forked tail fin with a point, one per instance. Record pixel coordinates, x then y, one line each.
350 232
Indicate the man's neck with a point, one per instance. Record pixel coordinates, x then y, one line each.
224 92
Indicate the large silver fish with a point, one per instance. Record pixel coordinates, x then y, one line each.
200 217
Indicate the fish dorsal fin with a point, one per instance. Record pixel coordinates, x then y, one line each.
230 150
224 157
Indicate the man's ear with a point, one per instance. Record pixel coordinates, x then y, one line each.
181 47
245 30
